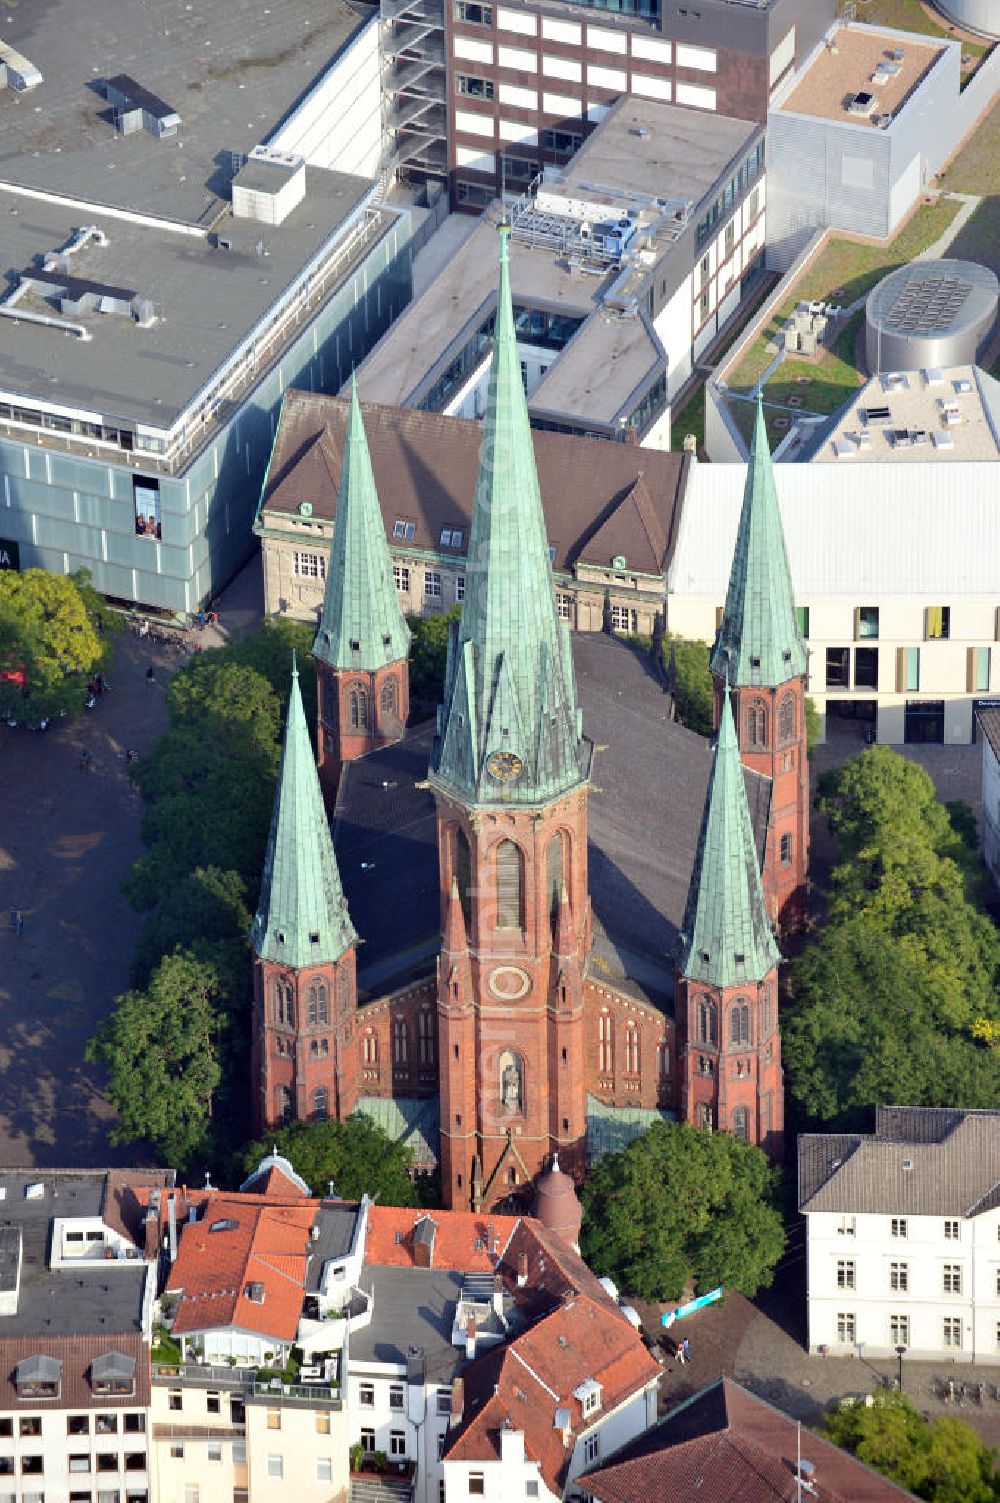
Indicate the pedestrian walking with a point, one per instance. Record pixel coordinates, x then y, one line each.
20 922
686 1349
151 674
13 920
84 760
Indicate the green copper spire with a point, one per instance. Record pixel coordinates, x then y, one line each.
509 729
727 937
362 625
302 917
758 641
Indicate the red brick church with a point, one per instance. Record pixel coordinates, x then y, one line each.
558 938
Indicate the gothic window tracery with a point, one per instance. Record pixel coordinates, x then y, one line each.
283 1104
369 1048
400 1042
786 718
358 707
755 722
631 1049
741 1124
554 874
706 1018
605 1044
320 1100
284 1006
739 1022
318 1003
389 699
425 1037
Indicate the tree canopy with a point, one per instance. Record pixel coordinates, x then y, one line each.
895 997
681 1204
160 1048
942 1460
428 654
49 643
356 1156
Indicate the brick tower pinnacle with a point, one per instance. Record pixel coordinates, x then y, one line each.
363 640
303 945
728 1045
509 771
760 654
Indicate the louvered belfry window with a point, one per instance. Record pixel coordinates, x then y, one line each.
554 874
510 886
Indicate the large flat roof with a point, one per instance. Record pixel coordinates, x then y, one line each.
232 69
644 146
845 65
207 299
933 416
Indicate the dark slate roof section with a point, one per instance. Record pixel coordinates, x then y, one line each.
645 808
920 1161
332 1236
412 1307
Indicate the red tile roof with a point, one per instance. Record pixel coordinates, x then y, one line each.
267 1245
463 1240
724 1445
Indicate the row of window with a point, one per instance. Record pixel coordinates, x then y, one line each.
104 1495
899 1276
899 1226
397 1443
899 1330
706 1019
755 721
104 1461
731 194
104 1424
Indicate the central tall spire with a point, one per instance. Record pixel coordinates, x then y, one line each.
759 641
509 729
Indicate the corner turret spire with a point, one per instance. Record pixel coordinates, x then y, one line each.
302 917
362 626
759 642
727 937
509 729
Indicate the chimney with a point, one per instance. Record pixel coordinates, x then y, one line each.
470 1338
151 1235
423 1242
497 1294
457 1400
522 1269
172 1227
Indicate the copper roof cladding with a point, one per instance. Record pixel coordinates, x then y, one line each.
601 499
724 1445
920 1161
75 1353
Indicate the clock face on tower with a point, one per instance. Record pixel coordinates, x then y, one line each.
504 766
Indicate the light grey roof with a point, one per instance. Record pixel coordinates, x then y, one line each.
40 1369
112 1365
920 1161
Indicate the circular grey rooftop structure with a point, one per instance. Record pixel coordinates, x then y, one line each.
930 313
974 15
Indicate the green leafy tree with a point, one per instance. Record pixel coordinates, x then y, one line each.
896 997
207 906
695 688
160 1049
812 724
49 643
356 1155
428 654
943 1460
681 1204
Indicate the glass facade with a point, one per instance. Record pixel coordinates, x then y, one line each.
731 195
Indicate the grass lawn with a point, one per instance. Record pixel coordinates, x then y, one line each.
842 272
979 239
824 384
909 15
690 419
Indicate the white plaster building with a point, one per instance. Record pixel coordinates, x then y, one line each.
903 1236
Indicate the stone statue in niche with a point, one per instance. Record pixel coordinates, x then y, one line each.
511 1082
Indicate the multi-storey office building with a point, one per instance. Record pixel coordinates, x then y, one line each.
903 1235
889 517
624 266
528 81
164 289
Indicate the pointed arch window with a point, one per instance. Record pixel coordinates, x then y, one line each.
554 875
663 1060
369 1048
284 1006
631 1049
318 1003
755 723
283 1104
786 719
389 700
400 1042
425 1037
706 1021
461 865
358 707
320 1104
739 1022
605 1044
705 1117
741 1124
510 885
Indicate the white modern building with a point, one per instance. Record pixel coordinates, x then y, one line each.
903 1236
893 543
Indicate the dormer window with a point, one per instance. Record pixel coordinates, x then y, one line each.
403 529
589 1395
112 1375
38 1377
255 1293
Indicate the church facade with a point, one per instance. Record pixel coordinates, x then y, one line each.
515 1032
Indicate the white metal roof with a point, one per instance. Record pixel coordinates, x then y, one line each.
931 530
